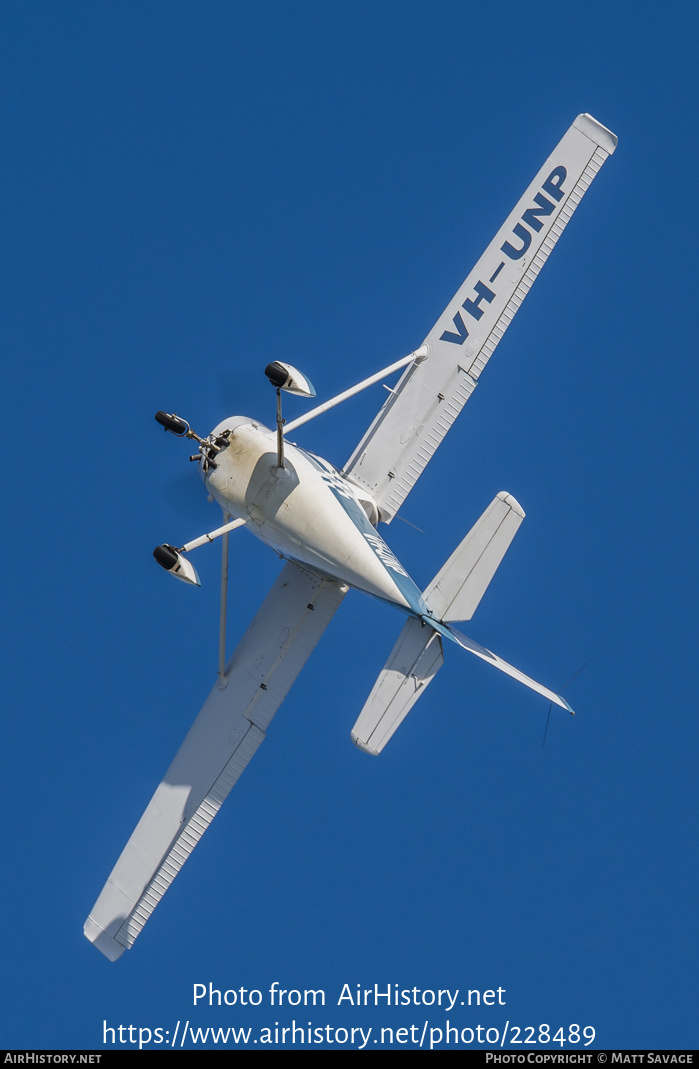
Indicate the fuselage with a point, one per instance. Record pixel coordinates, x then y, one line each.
306 512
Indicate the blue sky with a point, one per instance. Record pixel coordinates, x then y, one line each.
192 190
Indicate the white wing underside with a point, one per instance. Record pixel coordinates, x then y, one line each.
430 395
220 743
387 463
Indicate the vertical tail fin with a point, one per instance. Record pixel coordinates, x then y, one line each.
468 644
453 594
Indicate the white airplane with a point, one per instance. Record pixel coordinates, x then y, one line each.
323 522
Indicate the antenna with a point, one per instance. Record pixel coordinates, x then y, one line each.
560 692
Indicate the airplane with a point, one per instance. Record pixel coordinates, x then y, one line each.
323 521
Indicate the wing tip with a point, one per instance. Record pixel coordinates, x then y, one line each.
102 941
593 129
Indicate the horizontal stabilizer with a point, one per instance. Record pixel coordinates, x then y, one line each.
458 587
414 662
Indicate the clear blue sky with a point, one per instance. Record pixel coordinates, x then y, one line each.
191 190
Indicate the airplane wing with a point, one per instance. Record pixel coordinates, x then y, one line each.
431 393
220 743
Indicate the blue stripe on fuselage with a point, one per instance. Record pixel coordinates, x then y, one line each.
342 492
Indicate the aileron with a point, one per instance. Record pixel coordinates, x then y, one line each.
324 523
414 420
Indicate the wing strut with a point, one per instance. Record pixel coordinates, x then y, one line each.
222 680
412 358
